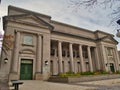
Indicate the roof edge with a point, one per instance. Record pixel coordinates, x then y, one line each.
28 11
62 23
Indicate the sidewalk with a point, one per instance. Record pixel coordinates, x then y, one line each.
113 84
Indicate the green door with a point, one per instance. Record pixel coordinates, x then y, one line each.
26 70
112 67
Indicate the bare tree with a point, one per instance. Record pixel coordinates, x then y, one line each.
89 4
7 43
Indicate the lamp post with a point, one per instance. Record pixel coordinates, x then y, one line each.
6 60
118 31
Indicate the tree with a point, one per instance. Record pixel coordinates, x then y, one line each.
114 5
7 43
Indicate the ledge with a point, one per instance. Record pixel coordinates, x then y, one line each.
83 78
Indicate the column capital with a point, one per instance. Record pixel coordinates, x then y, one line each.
38 34
89 46
70 43
17 31
80 44
60 41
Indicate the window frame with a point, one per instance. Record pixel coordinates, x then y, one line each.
25 42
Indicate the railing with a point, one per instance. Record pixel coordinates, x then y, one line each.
16 84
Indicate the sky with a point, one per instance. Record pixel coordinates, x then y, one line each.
94 18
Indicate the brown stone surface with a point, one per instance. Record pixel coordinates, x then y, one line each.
83 78
4 86
112 84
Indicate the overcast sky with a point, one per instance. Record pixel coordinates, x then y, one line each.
62 11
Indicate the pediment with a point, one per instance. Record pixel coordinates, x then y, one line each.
30 19
110 40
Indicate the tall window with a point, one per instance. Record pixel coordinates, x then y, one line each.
68 54
109 51
52 52
74 54
85 52
78 54
28 40
63 53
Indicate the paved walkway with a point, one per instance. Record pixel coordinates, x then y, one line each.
113 84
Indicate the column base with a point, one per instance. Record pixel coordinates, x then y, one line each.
3 78
38 76
13 76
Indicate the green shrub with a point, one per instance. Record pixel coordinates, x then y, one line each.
87 73
62 75
72 74
69 74
100 72
117 72
104 72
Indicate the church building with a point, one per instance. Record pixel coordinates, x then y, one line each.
36 47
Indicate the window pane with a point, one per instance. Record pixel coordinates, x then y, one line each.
28 40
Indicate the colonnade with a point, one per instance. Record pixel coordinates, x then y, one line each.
82 62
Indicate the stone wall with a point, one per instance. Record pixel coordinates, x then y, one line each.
3 81
83 78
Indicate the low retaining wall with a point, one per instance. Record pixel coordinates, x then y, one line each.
83 78
3 81
3 78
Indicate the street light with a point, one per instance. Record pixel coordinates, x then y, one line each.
6 60
118 22
118 31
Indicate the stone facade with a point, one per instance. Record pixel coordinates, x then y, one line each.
37 47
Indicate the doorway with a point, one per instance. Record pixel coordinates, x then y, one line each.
78 67
26 69
112 67
51 67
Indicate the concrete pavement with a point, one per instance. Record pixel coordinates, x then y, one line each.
42 85
113 84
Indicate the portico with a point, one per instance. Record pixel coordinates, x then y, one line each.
72 57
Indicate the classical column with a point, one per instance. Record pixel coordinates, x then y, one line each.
97 59
90 58
14 68
81 58
60 56
39 51
116 57
104 55
71 57
107 59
